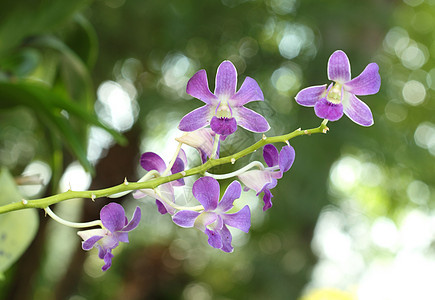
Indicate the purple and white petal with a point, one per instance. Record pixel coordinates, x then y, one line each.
162 207
357 111
310 95
233 192
240 220
223 126
267 199
249 91
87 234
226 80
120 236
197 87
107 261
185 218
250 120
102 251
339 67
135 219
201 139
204 219
328 110
166 192
367 83
179 166
270 155
286 158
206 190
110 241
214 238
197 118
89 243
255 179
112 216
180 162
152 161
226 240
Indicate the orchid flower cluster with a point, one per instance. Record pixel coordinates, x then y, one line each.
205 128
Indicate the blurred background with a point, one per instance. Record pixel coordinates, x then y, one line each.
87 86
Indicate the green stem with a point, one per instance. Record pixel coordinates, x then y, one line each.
155 182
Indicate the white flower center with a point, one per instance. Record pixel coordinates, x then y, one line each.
334 94
223 110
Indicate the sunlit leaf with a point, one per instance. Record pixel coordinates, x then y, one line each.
18 228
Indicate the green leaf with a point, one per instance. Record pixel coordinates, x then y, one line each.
25 18
18 228
48 104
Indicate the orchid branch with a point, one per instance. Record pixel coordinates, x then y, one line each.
43 203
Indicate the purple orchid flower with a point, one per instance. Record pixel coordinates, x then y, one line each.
202 140
152 161
330 103
224 109
116 228
265 180
214 220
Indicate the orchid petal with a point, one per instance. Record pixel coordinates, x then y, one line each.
197 87
185 218
226 80
179 166
107 261
339 67
152 161
233 192
226 238
286 158
267 199
196 119
206 190
219 222
249 91
162 207
135 219
310 95
250 120
223 126
101 251
256 179
89 243
110 241
214 238
87 234
240 220
120 236
328 110
367 83
139 194
357 111
270 155
201 139
112 216
204 219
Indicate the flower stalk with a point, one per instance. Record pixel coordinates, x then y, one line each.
43 203
72 224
